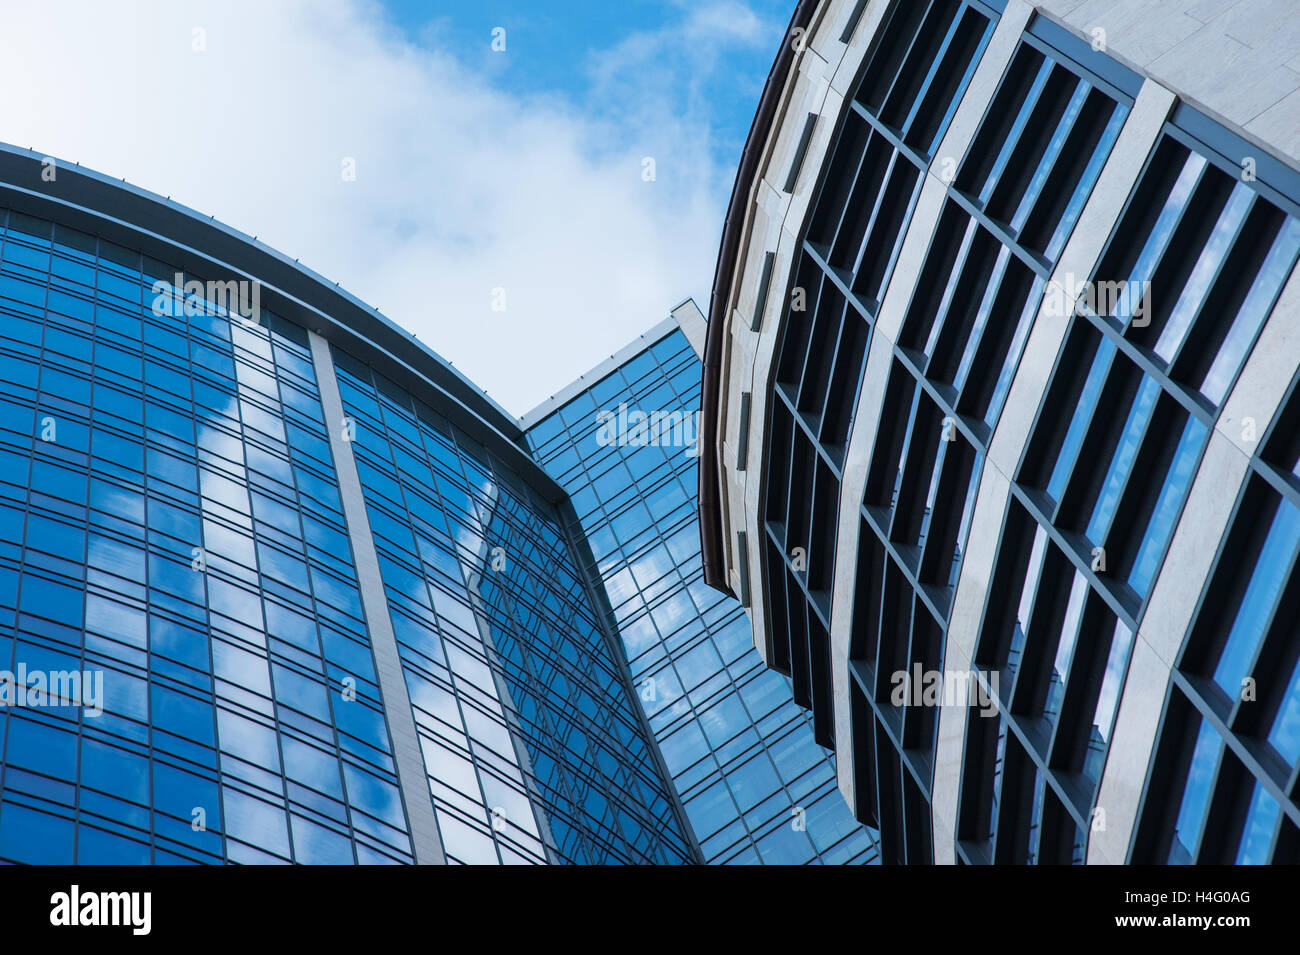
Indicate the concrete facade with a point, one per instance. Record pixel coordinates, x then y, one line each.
1237 62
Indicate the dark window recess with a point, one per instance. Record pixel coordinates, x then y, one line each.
919 67
780 631
867 596
1039 150
842 171
1111 459
778 472
851 25
845 385
889 784
864 756
1202 256
1001 635
800 151
764 286
1282 447
885 233
799 322
978 796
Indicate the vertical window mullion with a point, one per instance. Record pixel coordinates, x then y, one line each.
876 206
1051 155
925 27
1014 134
950 288
930 74
992 293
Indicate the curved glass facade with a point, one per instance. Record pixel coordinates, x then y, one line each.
518 697
190 669
172 522
755 784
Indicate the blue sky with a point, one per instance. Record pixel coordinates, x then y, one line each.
559 45
480 178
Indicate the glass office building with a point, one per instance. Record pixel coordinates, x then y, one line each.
756 785
1001 389
483 587
276 584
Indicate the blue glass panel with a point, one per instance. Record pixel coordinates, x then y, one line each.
1266 581
1196 794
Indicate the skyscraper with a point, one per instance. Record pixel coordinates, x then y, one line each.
622 442
276 583
999 412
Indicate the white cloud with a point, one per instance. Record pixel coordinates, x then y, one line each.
461 188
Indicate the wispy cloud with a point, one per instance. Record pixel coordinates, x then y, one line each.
671 78
460 188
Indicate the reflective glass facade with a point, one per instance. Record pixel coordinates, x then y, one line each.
756 785
172 519
514 684
176 548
